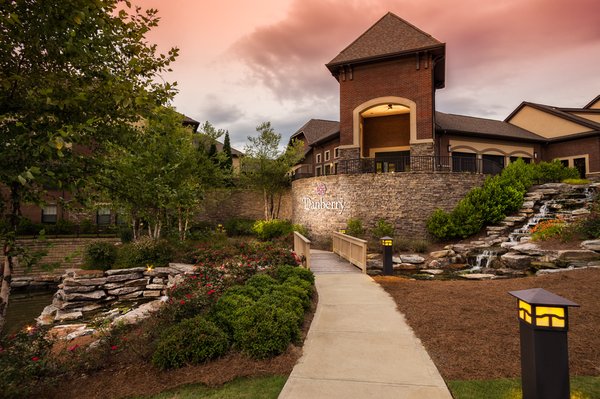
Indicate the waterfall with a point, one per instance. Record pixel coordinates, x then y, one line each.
543 213
484 260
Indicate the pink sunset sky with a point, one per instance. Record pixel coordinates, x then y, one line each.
243 62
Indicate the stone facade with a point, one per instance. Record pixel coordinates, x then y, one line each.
220 205
404 199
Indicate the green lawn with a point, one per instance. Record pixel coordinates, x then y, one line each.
581 388
242 388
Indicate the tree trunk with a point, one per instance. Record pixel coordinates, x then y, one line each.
5 276
266 204
7 247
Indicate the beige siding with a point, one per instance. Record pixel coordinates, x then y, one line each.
545 124
587 115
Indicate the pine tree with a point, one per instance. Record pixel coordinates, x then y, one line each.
228 162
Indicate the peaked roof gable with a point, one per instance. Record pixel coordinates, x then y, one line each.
550 122
316 130
390 36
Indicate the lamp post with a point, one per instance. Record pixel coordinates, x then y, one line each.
388 244
543 325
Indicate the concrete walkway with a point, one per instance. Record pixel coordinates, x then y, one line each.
359 345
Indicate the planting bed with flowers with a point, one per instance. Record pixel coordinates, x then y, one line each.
245 307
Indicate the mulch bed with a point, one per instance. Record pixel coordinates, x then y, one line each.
470 328
126 378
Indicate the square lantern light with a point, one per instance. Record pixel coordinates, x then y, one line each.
542 309
342 231
386 241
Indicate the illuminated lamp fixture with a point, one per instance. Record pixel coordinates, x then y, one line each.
543 324
388 264
535 155
390 106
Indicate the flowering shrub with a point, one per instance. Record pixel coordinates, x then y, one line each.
25 359
194 296
547 229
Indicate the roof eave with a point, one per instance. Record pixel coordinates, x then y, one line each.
384 57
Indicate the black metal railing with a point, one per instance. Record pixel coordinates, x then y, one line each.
402 164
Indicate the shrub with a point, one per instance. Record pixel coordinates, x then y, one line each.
590 226
500 195
192 341
301 229
270 229
354 228
402 244
263 330
420 246
239 227
229 305
383 229
27 227
100 255
282 273
145 251
263 283
192 297
25 360
125 234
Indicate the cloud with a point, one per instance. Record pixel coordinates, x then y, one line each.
488 44
219 111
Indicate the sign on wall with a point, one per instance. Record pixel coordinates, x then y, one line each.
322 201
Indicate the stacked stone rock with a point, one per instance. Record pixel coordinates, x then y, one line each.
35 282
85 291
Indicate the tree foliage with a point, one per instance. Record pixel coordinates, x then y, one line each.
266 168
159 176
75 75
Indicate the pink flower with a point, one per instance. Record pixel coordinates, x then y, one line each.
211 292
72 348
188 296
35 359
182 302
114 348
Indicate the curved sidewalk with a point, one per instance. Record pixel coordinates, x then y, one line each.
359 346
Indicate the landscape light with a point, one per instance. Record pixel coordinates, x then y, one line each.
388 266
544 322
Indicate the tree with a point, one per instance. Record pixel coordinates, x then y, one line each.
266 168
159 176
227 164
75 76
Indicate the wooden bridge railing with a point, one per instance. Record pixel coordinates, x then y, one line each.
302 249
353 249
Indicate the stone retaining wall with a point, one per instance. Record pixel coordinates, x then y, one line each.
219 205
83 292
67 252
324 204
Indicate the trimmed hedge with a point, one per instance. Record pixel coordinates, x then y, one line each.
191 341
264 316
499 196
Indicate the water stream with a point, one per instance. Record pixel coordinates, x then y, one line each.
24 307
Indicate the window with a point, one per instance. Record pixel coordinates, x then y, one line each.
327 155
336 152
103 216
335 168
464 162
318 158
327 170
492 164
318 171
49 213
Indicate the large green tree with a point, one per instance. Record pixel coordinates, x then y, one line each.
75 76
267 168
160 176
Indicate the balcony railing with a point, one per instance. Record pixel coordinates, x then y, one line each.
402 164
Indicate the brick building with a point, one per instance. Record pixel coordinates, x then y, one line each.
388 79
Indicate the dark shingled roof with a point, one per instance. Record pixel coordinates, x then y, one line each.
389 36
483 127
316 130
